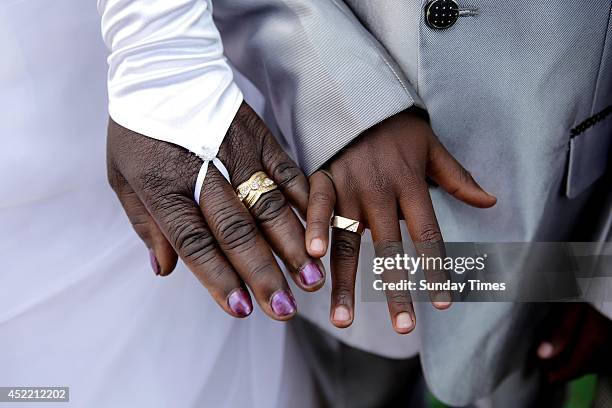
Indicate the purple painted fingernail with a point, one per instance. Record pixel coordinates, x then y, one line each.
154 264
239 302
310 274
283 304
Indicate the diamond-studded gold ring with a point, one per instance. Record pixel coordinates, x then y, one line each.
348 224
257 185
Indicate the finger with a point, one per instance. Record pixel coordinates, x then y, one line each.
344 262
248 252
572 360
182 223
283 170
320 209
248 143
162 256
562 331
283 230
424 230
384 224
445 170
285 234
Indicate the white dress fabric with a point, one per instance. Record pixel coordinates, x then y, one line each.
79 304
168 78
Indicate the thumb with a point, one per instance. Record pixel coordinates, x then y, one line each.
445 170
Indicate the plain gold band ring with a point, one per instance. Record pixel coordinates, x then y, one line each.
347 224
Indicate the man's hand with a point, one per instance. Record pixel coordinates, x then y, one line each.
380 176
224 244
575 340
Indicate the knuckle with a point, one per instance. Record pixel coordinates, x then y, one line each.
381 190
344 248
269 207
318 225
388 248
430 234
380 184
196 245
216 275
413 180
259 273
410 174
286 173
235 230
400 299
320 199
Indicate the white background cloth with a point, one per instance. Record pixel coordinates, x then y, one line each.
79 305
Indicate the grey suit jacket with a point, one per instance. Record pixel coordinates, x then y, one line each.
517 90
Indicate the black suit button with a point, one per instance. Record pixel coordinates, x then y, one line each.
441 14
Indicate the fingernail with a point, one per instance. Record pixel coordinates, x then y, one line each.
545 350
154 264
283 304
442 300
404 322
239 302
310 274
342 314
441 305
317 245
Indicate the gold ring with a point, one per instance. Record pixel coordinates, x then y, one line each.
347 224
257 185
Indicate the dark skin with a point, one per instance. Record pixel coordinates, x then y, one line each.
225 245
575 340
378 180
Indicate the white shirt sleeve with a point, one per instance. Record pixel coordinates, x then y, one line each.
168 78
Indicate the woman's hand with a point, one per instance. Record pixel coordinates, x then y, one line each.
376 181
226 245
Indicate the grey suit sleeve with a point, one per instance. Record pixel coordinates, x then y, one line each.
325 77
